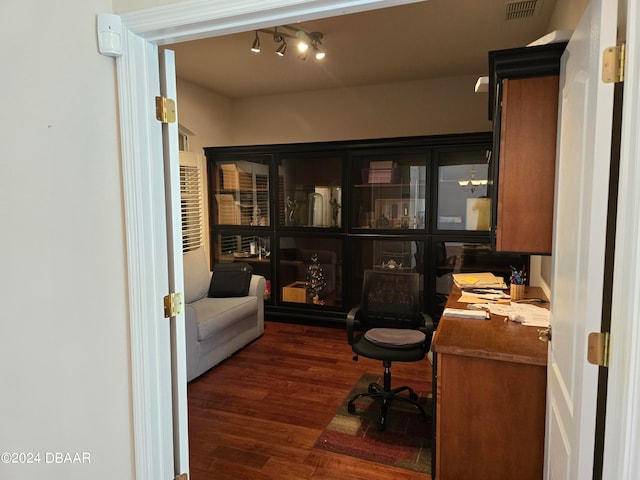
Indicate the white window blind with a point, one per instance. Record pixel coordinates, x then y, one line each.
192 202
230 244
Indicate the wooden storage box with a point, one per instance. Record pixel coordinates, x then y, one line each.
295 292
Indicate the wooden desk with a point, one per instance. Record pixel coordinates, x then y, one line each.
490 389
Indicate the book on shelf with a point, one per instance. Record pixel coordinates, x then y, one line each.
377 164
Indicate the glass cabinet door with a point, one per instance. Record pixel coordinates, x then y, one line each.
310 270
463 190
245 247
386 254
388 191
240 191
310 190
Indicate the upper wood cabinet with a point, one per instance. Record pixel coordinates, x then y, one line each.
523 103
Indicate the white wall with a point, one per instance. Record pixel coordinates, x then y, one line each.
64 352
429 107
206 114
567 14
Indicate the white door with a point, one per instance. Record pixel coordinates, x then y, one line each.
584 140
171 156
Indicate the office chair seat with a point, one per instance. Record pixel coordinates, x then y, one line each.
409 351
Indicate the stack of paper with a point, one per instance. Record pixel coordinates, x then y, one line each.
462 313
530 315
478 280
481 295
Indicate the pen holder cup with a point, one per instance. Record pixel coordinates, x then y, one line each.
516 292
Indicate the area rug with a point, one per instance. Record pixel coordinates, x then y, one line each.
405 442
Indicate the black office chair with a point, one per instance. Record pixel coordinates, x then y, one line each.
393 330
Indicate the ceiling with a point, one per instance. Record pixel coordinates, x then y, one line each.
434 38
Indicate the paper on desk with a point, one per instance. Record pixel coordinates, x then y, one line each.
480 279
462 313
474 297
524 313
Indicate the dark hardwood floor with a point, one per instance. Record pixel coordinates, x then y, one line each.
258 414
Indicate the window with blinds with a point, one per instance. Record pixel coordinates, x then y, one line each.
192 202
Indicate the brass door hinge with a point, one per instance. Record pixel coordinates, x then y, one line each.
613 64
165 110
598 349
173 305
182 476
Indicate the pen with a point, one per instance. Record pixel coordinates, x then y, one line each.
518 277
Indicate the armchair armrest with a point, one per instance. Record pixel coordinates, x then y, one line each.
257 286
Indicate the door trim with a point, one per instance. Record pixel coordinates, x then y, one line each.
143 184
622 437
146 243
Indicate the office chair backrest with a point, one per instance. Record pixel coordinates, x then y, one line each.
390 299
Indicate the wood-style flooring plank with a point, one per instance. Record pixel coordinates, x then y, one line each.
258 414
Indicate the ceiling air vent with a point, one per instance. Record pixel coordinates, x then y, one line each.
519 10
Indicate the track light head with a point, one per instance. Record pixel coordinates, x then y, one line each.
317 52
306 41
256 44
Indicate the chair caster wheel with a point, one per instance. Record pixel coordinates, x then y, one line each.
372 388
351 408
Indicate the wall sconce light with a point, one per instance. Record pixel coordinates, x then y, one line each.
305 41
472 184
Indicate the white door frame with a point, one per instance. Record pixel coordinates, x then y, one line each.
622 435
143 184
142 146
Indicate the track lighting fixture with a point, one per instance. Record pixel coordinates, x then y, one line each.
256 44
305 41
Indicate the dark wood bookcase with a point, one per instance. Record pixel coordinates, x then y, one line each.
311 217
